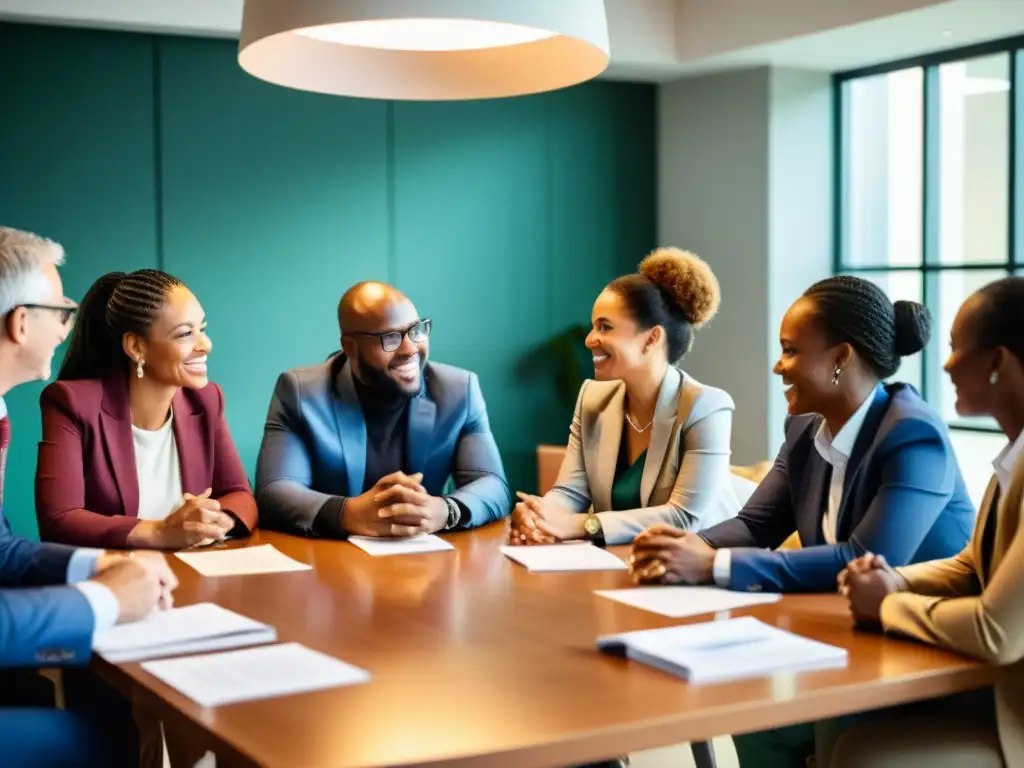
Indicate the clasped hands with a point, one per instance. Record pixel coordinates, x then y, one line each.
865 583
397 506
538 520
198 520
666 555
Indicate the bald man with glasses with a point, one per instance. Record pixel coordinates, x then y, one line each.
365 443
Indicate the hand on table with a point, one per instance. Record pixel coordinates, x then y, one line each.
865 583
666 555
396 506
199 519
536 520
153 562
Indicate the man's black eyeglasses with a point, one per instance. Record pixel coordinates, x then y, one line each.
392 340
67 311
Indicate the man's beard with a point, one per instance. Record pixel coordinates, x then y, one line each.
385 385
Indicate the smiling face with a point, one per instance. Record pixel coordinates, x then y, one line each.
615 340
808 361
45 328
969 367
175 346
370 339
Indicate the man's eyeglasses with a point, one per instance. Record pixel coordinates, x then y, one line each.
392 340
67 311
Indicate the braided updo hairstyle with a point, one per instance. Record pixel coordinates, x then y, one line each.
673 289
116 304
857 312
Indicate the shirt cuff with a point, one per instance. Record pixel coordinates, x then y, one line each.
105 608
722 568
82 564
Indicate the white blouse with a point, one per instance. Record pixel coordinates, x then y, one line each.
158 469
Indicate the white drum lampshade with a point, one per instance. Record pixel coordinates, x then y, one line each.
424 50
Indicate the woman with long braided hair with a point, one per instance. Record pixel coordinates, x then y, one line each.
136 451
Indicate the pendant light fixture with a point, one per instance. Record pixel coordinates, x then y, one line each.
424 50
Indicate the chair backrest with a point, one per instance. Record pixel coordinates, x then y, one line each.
549 461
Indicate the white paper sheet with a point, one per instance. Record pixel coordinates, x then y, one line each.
713 651
200 627
414 546
265 558
677 602
215 679
564 557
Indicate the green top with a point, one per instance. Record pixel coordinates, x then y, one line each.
626 487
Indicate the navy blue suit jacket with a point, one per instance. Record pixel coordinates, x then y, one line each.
903 497
313 454
40 625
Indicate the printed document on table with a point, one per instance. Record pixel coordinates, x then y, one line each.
412 546
564 557
265 558
677 602
714 651
192 629
215 679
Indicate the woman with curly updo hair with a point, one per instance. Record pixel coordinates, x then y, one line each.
648 443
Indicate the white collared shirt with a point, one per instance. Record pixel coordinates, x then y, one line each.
836 451
1005 461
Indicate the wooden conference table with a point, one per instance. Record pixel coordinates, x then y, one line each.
476 661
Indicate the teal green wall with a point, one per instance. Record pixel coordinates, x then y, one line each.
501 219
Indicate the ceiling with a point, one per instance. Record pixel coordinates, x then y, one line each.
653 40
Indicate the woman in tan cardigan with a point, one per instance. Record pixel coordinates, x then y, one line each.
972 603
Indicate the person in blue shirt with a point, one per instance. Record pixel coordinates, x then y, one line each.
866 466
53 598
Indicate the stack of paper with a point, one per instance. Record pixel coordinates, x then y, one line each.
238 562
723 650
412 546
215 679
201 627
677 602
564 557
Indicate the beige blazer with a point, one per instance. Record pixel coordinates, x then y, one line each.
977 608
686 480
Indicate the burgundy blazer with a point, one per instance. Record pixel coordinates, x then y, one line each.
87 488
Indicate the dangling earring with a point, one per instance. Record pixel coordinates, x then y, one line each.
835 375
993 378
138 368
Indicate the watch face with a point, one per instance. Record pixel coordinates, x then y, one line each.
592 525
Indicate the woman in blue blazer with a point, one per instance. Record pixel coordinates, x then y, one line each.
865 467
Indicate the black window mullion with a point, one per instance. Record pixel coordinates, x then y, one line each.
1015 233
931 187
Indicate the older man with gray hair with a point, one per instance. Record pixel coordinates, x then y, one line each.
53 598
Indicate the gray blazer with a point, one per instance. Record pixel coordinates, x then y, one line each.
686 481
313 454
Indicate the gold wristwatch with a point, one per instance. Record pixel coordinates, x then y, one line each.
592 525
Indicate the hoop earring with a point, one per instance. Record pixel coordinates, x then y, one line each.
138 368
835 376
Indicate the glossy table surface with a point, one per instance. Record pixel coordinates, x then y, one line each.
476 661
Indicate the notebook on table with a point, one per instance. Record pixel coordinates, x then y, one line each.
715 651
192 629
